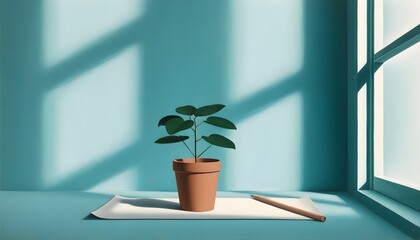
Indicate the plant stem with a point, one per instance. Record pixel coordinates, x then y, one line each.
205 150
199 139
195 139
189 149
200 123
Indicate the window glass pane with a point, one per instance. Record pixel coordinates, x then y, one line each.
378 125
361 137
378 21
398 18
401 118
361 33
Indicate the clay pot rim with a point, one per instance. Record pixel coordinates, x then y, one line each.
205 165
200 160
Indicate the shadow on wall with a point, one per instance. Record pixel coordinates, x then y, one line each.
83 90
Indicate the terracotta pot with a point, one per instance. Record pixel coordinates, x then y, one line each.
196 183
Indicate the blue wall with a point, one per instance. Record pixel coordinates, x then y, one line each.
85 82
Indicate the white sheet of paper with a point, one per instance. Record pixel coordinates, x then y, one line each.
225 208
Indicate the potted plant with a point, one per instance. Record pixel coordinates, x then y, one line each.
196 177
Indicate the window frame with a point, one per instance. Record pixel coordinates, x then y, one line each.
401 193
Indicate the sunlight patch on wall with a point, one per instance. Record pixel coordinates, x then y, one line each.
269 147
267 44
124 181
91 116
72 26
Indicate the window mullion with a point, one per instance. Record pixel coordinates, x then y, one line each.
405 41
369 95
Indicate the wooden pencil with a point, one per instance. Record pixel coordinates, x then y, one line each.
289 208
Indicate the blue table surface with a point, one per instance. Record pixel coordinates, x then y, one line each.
66 215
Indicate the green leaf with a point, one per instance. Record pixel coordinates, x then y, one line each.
175 125
172 125
219 140
163 120
171 139
186 110
186 124
220 122
208 110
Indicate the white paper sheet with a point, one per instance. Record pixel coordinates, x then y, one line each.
225 208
